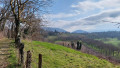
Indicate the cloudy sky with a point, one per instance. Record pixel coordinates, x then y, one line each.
88 15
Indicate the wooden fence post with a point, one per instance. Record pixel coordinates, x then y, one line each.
40 61
28 60
21 52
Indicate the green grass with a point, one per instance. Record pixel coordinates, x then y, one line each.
57 56
113 41
13 61
12 58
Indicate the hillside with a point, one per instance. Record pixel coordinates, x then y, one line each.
54 29
113 41
57 56
79 31
101 35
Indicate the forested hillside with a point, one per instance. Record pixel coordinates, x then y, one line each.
107 34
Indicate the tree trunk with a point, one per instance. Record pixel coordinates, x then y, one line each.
17 34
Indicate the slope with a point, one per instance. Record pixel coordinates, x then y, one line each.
57 56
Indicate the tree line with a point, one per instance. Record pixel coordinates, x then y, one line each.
99 35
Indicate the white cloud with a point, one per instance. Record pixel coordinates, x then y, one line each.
59 23
101 4
80 27
103 15
91 22
61 15
108 14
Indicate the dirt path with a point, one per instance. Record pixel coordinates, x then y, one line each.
4 54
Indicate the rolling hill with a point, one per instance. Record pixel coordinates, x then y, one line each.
79 31
54 29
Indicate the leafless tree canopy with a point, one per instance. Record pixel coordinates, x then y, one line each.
19 13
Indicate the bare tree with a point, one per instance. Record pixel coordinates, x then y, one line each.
4 14
22 11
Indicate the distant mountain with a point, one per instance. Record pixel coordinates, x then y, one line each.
79 31
53 29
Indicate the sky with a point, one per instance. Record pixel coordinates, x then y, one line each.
87 15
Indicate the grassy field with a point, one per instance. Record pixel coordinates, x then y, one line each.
113 41
57 56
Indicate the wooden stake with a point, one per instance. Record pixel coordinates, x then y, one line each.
40 61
